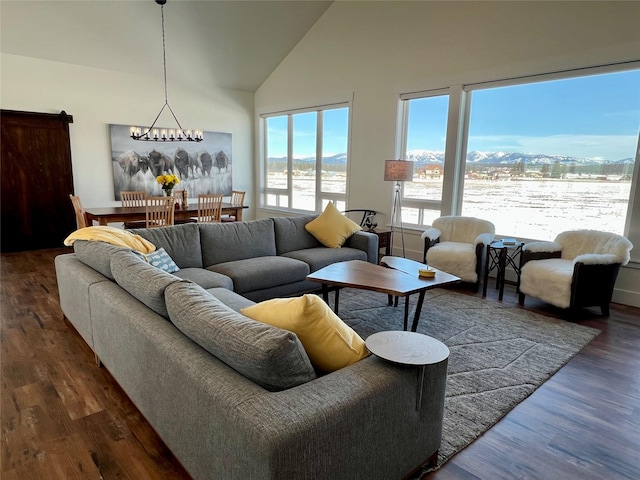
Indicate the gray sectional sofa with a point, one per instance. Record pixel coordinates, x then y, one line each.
231 397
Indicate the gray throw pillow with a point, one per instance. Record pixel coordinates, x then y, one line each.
269 356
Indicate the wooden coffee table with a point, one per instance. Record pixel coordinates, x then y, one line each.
392 281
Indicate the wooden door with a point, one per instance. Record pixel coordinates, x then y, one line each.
36 180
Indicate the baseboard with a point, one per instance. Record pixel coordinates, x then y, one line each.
626 297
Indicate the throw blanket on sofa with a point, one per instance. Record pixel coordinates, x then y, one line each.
112 235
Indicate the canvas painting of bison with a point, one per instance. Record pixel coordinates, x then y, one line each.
202 167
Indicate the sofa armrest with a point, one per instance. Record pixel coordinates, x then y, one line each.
484 238
592 285
333 415
367 242
430 237
431 234
596 259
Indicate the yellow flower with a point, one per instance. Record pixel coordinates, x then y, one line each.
167 181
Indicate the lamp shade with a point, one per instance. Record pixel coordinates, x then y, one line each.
398 170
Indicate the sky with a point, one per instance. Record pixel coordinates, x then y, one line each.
587 117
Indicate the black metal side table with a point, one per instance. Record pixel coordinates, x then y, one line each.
499 255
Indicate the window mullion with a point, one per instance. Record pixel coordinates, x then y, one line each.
290 161
319 153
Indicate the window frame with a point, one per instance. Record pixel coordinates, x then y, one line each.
456 143
321 198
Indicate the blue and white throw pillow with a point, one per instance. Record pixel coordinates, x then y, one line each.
160 259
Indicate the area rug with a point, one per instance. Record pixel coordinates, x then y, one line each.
498 354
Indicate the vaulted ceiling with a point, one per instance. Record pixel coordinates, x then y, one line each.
226 44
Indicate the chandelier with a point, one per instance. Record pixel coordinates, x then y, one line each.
153 134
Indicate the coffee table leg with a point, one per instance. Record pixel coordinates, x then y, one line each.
335 301
406 313
325 293
416 317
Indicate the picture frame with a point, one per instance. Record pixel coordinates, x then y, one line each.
202 167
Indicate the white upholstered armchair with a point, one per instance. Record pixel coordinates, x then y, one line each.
578 269
455 245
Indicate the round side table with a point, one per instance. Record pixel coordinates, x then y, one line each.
408 348
500 255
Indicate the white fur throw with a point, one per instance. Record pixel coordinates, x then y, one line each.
456 258
581 242
463 229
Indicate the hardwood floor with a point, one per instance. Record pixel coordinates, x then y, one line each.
64 418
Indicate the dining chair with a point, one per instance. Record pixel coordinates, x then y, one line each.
134 199
159 211
82 220
209 207
237 198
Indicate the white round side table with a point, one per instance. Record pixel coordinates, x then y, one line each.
408 348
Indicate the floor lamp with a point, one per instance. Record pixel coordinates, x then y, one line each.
397 171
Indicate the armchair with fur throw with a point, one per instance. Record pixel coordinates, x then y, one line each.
455 245
578 269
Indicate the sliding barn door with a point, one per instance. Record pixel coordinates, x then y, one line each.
36 180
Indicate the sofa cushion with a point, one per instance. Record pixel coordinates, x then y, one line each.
231 299
549 280
205 278
262 272
318 258
291 234
269 356
330 343
182 243
332 228
141 280
229 241
97 255
456 258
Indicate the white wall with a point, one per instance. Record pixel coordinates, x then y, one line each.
96 98
373 51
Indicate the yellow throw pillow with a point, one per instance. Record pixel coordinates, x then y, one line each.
332 228
330 343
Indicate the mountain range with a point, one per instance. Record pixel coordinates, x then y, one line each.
475 157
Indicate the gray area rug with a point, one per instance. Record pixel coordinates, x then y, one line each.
498 354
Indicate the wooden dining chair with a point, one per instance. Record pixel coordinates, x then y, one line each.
134 199
159 211
209 208
82 220
237 199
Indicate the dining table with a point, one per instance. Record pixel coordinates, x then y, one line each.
115 214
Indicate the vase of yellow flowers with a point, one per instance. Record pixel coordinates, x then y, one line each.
167 182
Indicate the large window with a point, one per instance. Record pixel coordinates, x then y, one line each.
536 158
425 145
305 160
